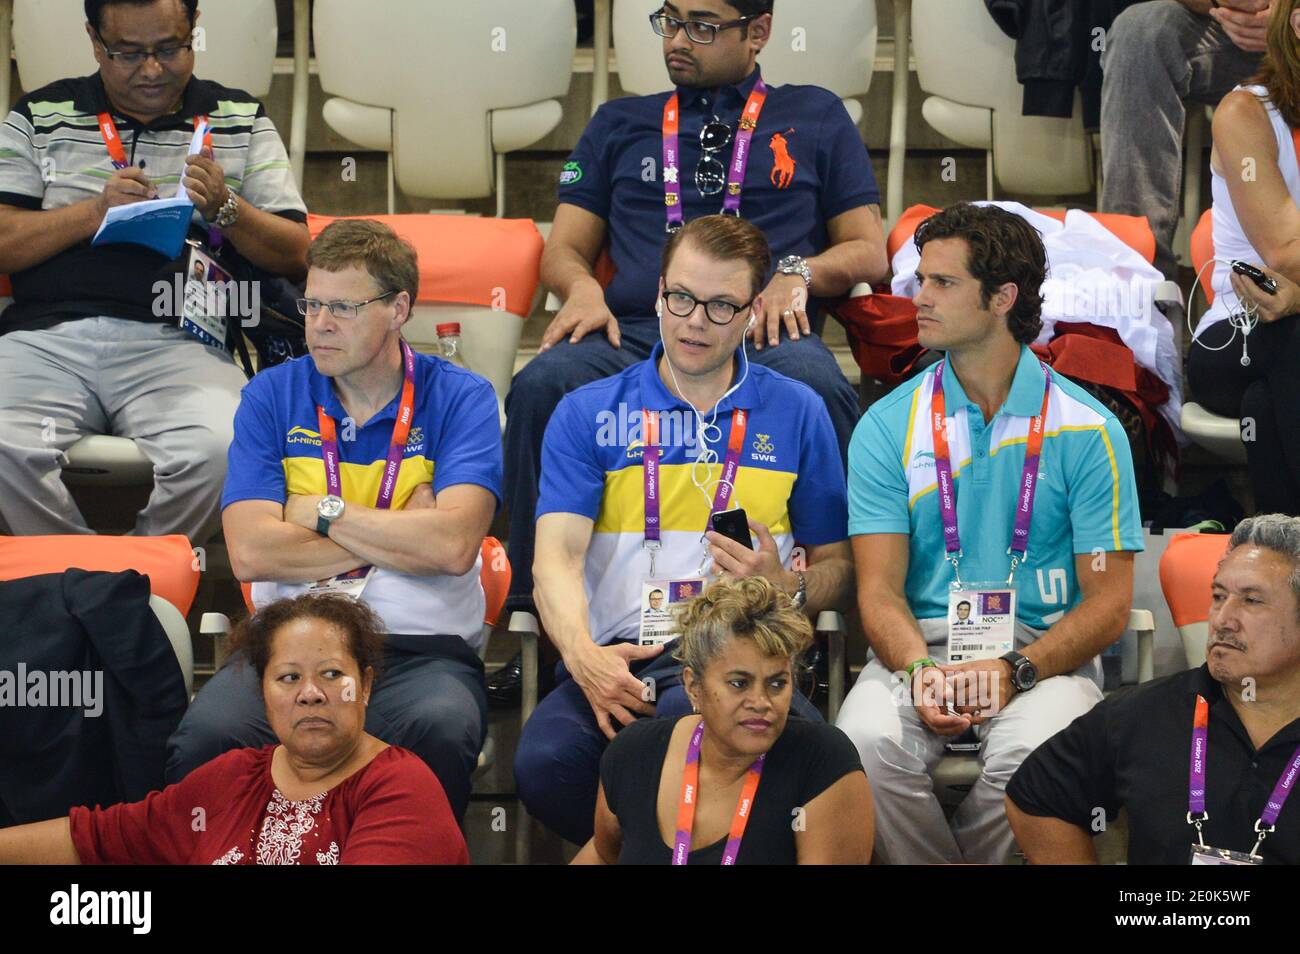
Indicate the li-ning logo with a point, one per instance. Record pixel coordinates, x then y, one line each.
300 435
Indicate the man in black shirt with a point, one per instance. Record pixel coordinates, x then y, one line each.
1134 750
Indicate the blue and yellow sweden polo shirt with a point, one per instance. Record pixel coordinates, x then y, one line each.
790 478
455 439
1086 499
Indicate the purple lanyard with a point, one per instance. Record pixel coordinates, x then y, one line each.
1196 813
947 491
396 450
650 469
691 795
739 155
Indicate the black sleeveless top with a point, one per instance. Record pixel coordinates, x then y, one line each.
807 759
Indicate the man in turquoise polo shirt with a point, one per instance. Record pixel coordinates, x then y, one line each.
993 481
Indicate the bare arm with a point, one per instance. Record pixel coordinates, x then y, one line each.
856 253
892 631
560 557
829 575
568 261
29 237
839 825
41 843
267 240
602 672
1106 582
1245 152
270 241
264 547
607 843
1050 841
1197 6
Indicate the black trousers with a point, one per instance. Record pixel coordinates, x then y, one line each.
1264 396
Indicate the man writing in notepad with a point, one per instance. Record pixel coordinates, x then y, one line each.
89 347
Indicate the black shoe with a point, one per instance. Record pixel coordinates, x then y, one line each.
505 688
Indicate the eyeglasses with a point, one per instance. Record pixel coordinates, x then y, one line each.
703 32
719 311
311 307
710 173
163 54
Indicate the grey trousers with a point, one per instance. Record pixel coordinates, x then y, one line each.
175 397
1157 55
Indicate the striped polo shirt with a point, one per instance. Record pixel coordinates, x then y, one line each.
1085 502
53 155
791 478
455 439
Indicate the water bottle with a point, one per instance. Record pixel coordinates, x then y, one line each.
449 343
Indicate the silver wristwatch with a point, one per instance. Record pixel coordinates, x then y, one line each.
228 214
327 511
801 595
796 265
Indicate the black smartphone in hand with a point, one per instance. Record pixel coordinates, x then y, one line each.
1262 281
734 525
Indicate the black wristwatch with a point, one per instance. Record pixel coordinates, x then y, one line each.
1024 674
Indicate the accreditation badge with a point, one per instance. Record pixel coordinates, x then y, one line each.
659 599
1205 855
350 584
205 303
981 621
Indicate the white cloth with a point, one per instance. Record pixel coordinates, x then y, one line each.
1095 277
900 753
1230 242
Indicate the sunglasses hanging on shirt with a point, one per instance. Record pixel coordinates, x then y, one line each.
710 173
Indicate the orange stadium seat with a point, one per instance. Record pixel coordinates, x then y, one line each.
1187 569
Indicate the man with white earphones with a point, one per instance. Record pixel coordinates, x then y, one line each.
631 514
720 138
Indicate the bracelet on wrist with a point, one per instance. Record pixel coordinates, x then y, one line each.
923 663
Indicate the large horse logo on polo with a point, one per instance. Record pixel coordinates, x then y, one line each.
782 162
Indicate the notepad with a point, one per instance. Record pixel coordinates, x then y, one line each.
160 225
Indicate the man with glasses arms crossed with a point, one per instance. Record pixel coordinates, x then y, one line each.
612 531
89 347
786 158
369 471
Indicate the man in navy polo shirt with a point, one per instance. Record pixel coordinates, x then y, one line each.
368 471
641 169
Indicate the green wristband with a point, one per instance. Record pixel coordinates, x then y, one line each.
920 663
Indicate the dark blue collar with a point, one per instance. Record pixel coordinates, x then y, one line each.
724 97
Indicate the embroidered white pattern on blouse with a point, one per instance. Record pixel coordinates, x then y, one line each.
232 857
330 857
280 842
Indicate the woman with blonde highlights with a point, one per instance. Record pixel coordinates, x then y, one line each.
739 781
1243 361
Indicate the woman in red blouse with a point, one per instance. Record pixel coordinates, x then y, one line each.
328 794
